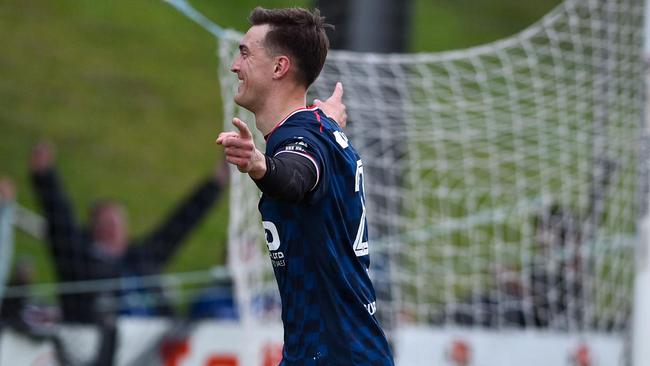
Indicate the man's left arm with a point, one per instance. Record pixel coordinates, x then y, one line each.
163 242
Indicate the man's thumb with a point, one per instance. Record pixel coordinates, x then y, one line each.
338 91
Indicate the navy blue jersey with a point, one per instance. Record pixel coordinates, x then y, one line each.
319 251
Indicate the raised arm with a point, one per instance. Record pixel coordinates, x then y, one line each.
62 228
163 242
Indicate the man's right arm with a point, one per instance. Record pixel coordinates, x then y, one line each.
288 177
163 242
57 208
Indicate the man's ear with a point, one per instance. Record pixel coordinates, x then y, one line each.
281 67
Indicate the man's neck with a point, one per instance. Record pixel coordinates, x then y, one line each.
110 249
277 107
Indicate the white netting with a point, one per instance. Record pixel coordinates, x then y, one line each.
503 181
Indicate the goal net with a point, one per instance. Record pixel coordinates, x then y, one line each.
504 182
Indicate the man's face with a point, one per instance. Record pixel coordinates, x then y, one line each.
254 68
110 229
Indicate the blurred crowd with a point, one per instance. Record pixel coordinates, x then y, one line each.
100 263
549 294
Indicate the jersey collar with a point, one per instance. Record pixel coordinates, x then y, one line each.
310 108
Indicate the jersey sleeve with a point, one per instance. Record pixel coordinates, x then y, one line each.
301 147
301 142
288 177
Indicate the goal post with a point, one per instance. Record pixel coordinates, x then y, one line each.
6 243
641 306
641 325
513 218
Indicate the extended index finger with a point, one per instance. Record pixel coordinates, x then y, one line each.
244 132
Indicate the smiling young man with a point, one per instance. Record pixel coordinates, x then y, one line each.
313 204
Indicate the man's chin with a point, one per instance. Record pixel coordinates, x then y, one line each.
241 102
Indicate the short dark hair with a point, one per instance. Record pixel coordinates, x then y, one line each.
298 32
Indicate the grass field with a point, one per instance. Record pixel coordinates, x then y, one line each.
128 92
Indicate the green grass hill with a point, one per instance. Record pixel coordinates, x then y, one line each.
127 91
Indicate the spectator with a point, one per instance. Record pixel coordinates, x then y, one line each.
13 308
27 319
552 286
103 250
555 279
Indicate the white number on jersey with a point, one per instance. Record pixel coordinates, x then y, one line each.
360 245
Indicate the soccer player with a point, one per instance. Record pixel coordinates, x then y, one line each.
312 203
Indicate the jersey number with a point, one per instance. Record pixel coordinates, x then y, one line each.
271 234
361 241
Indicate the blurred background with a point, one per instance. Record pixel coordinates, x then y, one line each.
127 95
127 92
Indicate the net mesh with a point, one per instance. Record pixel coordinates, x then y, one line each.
503 181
